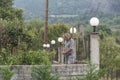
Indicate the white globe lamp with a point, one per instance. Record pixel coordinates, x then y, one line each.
73 30
94 22
44 45
53 42
47 45
60 39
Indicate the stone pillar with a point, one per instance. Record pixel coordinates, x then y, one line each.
60 55
94 50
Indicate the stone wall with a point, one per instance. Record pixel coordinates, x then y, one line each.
23 72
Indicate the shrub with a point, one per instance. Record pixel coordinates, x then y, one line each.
43 72
6 73
34 57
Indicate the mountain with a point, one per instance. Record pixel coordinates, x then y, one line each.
36 8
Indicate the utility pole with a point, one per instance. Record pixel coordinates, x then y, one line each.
46 24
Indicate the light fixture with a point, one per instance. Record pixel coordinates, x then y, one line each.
44 45
94 22
60 39
73 30
47 45
53 42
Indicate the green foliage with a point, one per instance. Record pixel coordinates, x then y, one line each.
3 39
37 23
13 35
36 34
91 73
88 30
14 31
26 57
32 33
43 72
105 28
6 72
104 31
109 53
4 57
34 58
6 4
11 14
7 12
54 31
116 34
7 59
52 54
117 60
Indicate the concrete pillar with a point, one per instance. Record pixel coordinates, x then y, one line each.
94 50
60 55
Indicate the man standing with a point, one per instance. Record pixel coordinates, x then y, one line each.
69 49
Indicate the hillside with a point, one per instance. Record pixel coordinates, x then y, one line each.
36 8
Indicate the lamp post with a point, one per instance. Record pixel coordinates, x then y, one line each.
52 43
94 44
53 49
60 58
94 22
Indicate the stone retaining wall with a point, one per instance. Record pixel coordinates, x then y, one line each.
23 72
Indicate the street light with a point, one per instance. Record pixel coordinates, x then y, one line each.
53 42
60 39
53 49
73 30
48 45
94 22
44 45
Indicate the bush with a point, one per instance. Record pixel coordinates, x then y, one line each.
26 57
6 73
91 73
34 58
7 59
43 72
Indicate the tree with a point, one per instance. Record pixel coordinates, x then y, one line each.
36 33
13 36
104 31
32 30
6 3
54 31
37 23
7 12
